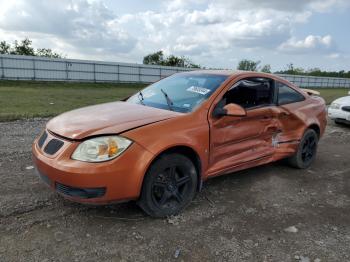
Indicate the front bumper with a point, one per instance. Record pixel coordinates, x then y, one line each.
97 183
338 114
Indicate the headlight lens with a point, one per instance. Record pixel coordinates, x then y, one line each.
101 149
335 106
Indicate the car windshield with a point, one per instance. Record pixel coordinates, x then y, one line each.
180 92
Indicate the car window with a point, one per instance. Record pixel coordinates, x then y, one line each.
287 95
184 92
250 93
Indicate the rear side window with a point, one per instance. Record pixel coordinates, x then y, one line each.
287 95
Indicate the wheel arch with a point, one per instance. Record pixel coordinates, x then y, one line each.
316 128
186 151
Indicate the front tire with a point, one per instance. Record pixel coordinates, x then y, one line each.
307 149
169 185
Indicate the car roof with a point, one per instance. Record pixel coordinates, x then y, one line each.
238 73
212 72
227 72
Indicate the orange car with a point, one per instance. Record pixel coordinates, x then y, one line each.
159 145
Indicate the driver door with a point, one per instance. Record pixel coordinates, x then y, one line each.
235 141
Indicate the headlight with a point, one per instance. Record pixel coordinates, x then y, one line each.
101 149
335 106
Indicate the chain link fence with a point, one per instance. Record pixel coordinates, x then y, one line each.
14 67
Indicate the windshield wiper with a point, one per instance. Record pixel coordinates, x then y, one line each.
140 97
168 100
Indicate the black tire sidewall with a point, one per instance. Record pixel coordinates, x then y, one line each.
300 162
160 164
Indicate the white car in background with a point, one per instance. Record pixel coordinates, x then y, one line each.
339 110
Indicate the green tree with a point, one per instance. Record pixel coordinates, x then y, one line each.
156 58
23 48
47 52
191 65
266 69
175 61
4 47
248 65
290 67
291 70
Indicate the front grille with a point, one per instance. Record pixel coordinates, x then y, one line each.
346 108
42 139
53 146
80 192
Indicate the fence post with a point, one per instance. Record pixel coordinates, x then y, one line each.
139 74
66 70
118 74
2 67
34 69
160 73
94 72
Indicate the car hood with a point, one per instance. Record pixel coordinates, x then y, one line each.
109 118
343 101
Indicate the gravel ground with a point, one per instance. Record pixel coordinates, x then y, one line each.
269 213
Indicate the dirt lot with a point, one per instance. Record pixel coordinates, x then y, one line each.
236 217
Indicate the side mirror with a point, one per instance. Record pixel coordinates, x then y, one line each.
234 110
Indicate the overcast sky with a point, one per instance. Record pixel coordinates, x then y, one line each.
308 33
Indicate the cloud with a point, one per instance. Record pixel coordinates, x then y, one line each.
204 30
196 32
89 26
232 24
311 44
172 5
279 5
329 5
334 55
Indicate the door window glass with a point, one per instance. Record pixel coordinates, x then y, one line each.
250 93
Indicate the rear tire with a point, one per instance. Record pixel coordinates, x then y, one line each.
169 185
341 123
306 153
338 122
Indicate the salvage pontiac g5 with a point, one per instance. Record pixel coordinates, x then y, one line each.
158 146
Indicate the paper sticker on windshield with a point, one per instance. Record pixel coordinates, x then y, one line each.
198 90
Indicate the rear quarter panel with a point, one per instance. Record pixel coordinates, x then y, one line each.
312 111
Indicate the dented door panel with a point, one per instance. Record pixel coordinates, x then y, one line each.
234 141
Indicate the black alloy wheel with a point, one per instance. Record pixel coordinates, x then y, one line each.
307 150
169 185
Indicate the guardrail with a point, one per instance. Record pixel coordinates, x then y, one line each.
14 67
